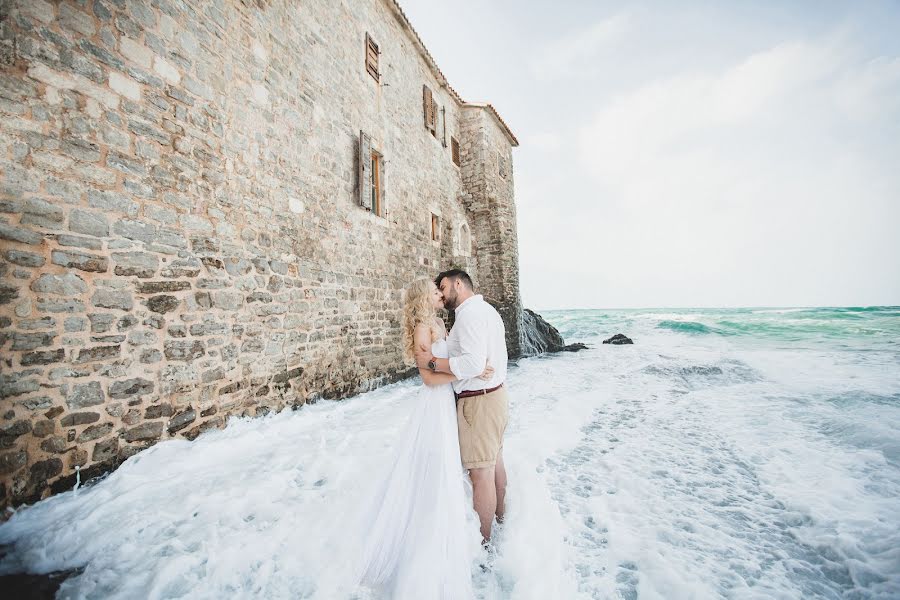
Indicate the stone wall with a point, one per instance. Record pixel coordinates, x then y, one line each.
487 174
181 239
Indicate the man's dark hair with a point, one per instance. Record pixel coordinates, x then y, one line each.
455 274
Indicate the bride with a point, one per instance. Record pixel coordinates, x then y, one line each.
421 536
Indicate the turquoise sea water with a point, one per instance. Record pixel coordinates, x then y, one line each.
748 453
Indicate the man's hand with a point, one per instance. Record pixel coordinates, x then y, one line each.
487 373
423 356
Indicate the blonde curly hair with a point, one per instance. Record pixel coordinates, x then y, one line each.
417 309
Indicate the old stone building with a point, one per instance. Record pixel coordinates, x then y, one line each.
211 208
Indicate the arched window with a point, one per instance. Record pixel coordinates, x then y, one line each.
463 240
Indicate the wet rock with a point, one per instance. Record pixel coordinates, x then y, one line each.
12 461
540 336
182 420
105 450
618 340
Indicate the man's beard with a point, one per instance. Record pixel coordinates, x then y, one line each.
450 303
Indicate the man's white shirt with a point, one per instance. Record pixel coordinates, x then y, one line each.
478 337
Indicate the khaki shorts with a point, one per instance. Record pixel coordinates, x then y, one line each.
482 423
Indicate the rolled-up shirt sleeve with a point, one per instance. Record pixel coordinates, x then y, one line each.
473 350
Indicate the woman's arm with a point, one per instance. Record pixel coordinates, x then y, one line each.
422 339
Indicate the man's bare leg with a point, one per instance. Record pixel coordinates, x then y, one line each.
485 494
500 486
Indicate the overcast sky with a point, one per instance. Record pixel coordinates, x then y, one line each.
704 154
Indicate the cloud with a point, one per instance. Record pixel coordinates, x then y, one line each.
576 54
739 186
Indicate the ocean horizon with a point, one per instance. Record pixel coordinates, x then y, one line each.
727 453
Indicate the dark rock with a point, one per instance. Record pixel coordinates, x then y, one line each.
8 293
144 431
158 410
43 428
162 304
617 340
105 450
130 387
97 353
12 461
56 444
43 357
95 432
182 420
157 287
43 470
80 418
8 435
540 336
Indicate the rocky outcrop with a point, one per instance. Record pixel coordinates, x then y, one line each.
539 336
618 340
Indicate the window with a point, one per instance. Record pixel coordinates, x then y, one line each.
454 150
377 204
435 227
444 126
371 177
463 240
372 57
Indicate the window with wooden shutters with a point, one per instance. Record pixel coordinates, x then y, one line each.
371 177
454 150
429 108
435 227
372 57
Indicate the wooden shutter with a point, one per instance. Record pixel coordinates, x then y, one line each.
434 114
454 150
427 104
382 170
365 170
372 57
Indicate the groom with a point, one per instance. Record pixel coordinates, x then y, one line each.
478 338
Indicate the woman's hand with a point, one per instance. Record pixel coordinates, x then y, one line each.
487 373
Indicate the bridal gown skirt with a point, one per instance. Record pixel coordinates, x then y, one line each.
421 532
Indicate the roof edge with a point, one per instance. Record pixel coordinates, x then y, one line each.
503 126
442 79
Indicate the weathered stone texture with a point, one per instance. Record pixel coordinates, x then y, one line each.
181 238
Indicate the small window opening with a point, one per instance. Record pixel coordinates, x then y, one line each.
435 228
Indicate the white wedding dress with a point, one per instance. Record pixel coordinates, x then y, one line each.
421 530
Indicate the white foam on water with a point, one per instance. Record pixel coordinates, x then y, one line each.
683 466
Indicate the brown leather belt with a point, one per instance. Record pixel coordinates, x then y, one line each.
470 393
